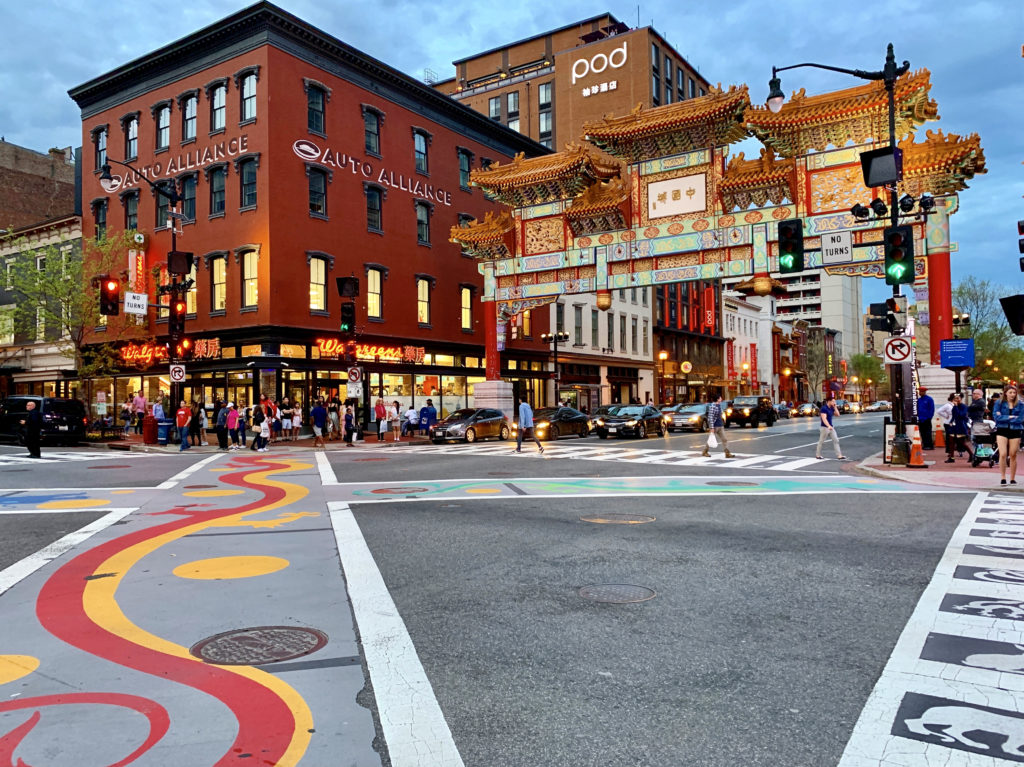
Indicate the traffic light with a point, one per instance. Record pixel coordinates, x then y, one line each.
348 317
878 312
892 321
176 321
110 296
183 349
1020 242
179 262
791 246
899 255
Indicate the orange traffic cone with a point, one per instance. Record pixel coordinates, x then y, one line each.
916 453
940 437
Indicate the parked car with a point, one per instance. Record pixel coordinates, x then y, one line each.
688 418
844 406
782 410
471 424
64 420
807 410
855 407
878 406
630 421
751 410
553 422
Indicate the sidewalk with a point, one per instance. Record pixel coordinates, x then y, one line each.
959 475
133 442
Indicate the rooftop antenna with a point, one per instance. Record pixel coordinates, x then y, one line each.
429 76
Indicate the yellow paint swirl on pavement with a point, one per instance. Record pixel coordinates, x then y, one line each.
223 568
14 667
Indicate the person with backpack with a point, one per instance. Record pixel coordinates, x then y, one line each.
259 418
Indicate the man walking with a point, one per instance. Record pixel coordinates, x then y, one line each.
318 419
139 406
717 426
976 410
33 423
222 427
526 423
925 413
826 429
181 420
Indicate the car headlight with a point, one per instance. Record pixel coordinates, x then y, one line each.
694 419
631 423
543 425
457 428
668 419
599 422
746 411
728 411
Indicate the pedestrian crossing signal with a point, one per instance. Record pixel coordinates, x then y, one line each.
110 296
348 317
791 246
899 255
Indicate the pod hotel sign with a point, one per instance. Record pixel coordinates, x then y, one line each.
312 152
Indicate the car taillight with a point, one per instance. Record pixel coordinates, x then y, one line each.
85 421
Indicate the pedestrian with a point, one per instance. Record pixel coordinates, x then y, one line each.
717 426
139 406
276 424
956 433
269 409
428 416
158 411
286 419
318 420
232 424
243 421
526 424
182 419
1009 417
826 429
412 420
925 413
297 420
222 428
394 414
33 423
976 410
127 410
380 414
334 414
350 426
258 416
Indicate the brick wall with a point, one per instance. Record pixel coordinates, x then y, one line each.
34 187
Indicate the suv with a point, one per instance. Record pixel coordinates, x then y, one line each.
751 410
64 420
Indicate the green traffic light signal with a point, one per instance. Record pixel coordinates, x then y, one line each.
791 246
348 317
899 255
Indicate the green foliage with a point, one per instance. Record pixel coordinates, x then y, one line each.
866 366
993 339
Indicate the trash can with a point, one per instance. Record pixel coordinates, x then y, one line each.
149 430
165 427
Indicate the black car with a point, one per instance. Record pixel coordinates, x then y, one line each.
807 409
688 418
782 410
630 421
471 424
64 420
554 422
751 410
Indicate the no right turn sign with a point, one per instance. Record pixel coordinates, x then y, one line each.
898 349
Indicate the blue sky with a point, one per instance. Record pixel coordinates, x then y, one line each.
973 50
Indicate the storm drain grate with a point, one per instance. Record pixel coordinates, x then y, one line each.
617 519
258 645
617 593
196 487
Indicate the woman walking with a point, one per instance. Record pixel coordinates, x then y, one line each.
195 424
958 429
296 420
395 415
334 418
1009 418
350 426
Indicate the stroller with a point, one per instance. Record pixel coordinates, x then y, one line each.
984 439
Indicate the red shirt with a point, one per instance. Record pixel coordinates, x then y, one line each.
182 416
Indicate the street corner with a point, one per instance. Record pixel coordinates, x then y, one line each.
959 475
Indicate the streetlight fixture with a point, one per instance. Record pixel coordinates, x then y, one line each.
746 372
882 167
662 356
555 339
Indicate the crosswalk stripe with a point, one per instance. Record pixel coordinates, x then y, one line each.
791 465
752 460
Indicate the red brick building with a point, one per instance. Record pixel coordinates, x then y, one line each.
35 187
300 160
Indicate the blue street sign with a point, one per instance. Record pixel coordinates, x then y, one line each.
956 353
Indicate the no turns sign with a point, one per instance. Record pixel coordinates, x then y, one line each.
177 373
898 349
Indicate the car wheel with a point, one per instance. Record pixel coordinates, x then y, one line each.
661 430
503 434
753 423
470 434
641 431
553 433
583 433
703 426
771 421
602 435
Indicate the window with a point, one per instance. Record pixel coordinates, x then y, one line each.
193 292
163 126
643 296
668 68
466 303
99 211
250 278
512 103
544 94
217 178
188 118
494 108
162 208
131 210
218 107
702 92
646 337
247 176
544 123
248 94
578 325
318 284
374 208
218 283
514 123
680 85
611 332
188 198
559 318
633 336
420 151
668 91
315 103
545 142
622 332
423 300
655 89
693 89
374 299
465 165
423 222
595 328
317 192
371 132
99 139
131 138
528 323
632 294
655 56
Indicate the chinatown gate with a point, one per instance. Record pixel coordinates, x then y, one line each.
651 198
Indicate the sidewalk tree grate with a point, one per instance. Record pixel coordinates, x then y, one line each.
618 519
617 593
258 645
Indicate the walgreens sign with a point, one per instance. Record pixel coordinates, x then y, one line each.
600 62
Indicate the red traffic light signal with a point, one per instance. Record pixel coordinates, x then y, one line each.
110 296
176 321
183 349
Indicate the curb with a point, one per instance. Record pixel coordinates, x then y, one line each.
863 468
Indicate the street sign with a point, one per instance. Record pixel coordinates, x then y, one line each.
355 390
898 349
836 248
956 353
355 375
177 373
136 303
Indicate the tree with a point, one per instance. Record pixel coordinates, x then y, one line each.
993 339
817 363
867 368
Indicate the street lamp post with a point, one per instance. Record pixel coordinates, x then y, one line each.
888 75
746 373
662 356
554 338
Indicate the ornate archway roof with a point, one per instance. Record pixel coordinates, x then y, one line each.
603 207
494 237
557 176
860 114
941 164
715 119
758 182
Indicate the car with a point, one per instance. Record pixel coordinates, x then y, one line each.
630 420
554 422
855 407
470 425
751 409
782 410
844 406
64 420
878 406
807 410
688 418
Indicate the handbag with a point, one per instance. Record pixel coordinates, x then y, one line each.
712 440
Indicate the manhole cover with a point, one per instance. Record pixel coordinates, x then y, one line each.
734 484
616 593
196 487
617 519
109 466
259 645
399 490
358 460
